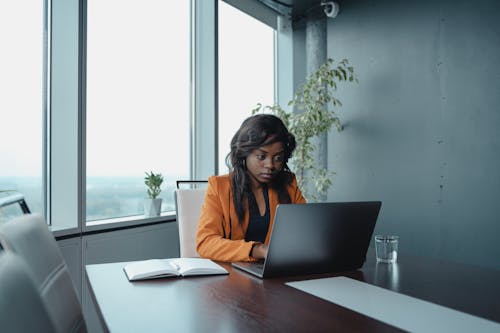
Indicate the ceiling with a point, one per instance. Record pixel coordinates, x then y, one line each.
296 8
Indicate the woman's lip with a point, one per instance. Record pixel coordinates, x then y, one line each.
266 175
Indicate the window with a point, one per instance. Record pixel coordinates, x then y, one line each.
246 71
137 102
21 100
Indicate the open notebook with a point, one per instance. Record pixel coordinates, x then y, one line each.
159 268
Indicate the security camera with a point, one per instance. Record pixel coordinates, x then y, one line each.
330 8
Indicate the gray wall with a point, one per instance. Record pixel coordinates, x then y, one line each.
421 126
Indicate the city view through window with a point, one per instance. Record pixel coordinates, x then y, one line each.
137 97
21 100
137 102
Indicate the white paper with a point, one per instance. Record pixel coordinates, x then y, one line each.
150 268
405 312
156 268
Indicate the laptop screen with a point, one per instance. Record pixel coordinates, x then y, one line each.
320 237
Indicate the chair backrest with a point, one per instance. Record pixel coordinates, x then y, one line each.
188 204
29 237
21 306
12 204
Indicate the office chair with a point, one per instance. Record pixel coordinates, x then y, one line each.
12 204
21 306
188 204
29 237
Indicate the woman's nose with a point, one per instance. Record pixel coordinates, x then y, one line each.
269 163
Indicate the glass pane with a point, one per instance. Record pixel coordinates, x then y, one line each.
246 71
137 102
21 99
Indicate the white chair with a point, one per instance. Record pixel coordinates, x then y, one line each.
29 237
21 306
188 205
8 205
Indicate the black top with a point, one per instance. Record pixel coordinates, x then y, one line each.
258 225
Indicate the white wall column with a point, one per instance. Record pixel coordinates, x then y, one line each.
204 88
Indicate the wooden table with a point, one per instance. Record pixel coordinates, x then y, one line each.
239 302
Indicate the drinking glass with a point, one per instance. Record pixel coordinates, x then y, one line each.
386 248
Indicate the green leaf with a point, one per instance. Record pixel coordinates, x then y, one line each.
311 101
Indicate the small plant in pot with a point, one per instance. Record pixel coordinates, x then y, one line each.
152 204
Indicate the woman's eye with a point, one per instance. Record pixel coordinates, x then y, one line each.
261 157
278 158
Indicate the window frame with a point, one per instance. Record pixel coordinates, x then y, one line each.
65 105
67 188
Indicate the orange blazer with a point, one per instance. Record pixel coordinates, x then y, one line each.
220 236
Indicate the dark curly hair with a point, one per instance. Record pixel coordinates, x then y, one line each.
257 131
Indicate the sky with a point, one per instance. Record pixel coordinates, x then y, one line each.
21 59
246 71
133 115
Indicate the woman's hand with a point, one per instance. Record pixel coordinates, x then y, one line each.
259 251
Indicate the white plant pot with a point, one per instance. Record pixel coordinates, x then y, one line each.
152 207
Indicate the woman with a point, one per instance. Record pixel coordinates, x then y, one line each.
239 207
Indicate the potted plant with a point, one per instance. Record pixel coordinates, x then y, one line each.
152 204
312 117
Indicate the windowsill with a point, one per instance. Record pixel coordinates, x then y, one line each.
115 223
134 218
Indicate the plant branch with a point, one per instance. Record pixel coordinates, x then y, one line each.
315 103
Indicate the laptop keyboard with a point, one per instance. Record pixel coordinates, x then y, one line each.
258 265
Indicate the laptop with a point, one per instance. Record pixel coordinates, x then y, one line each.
317 238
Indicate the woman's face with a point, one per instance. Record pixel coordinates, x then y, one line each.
264 163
